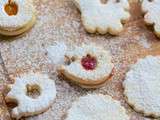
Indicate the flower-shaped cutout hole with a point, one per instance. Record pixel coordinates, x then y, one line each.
33 91
11 8
89 62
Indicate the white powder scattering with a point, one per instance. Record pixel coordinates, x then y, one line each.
56 52
143 42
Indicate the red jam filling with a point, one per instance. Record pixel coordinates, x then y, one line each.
89 62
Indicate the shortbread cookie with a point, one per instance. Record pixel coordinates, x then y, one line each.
96 85
142 86
97 107
16 16
22 90
99 17
4 114
87 65
152 14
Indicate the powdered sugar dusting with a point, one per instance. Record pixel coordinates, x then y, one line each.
143 92
59 20
96 107
56 52
24 16
143 42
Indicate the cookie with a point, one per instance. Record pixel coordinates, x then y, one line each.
23 93
152 15
142 86
87 65
96 107
4 114
103 17
96 85
17 16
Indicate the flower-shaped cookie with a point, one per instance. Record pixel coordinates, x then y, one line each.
142 86
16 16
152 14
96 107
103 17
89 66
33 92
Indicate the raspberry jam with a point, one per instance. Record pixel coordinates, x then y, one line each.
89 62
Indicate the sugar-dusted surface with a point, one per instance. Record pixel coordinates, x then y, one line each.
4 114
141 91
59 20
2 75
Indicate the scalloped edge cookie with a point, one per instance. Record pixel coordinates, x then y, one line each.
152 17
96 107
27 105
142 86
101 18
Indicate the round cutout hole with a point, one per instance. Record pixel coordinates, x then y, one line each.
33 91
11 8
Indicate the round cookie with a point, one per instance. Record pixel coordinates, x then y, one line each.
142 86
103 17
17 16
151 9
89 66
96 107
33 92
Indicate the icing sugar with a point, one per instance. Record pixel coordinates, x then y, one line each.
142 86
96 107
56 52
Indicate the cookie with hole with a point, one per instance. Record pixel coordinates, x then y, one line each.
17 16
89 66
32 92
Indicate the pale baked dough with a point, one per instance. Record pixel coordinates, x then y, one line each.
75 72
142 86
95 85
103 18
19 23
96 107
152 14
28 106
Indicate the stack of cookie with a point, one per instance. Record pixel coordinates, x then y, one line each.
16 16
89 66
